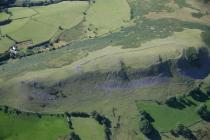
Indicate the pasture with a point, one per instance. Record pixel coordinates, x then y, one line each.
107 16
186 116
24 127
88 129
5 44
4 16
39 24
46 127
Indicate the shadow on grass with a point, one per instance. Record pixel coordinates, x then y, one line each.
198 95
188 102
154 135
199 72
150 118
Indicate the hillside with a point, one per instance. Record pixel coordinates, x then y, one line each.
104 70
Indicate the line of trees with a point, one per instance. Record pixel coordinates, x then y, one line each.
101 119
194 57
28 3
183 131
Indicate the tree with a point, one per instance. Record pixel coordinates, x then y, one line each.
74 136
123 71
183 131
198 94
206 1
192 56
171 101
6 2
145 116
206 37
145 127
203 53
203 112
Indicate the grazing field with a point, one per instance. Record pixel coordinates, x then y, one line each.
186 116
88 129
107 16
39 24
4 16
24 127
5 44
21 12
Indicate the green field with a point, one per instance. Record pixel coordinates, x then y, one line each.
4 16
30 126
166 118
25 127
5 44
39 24
88 129
21 12
106 16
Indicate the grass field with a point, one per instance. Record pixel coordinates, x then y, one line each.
24 127
4 16
106 16
5 44
43 22
21 12
186 116
88 129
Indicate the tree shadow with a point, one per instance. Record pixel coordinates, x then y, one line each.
198 95
199 72
154 135
149 118
177 105
188 102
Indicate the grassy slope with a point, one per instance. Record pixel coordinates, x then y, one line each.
13 26
66 15
101 59
23 127
21 12
84 95
5 44
108 15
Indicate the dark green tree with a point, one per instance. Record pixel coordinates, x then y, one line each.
184 131
192 56
206 36
145 127
203 112
74 136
